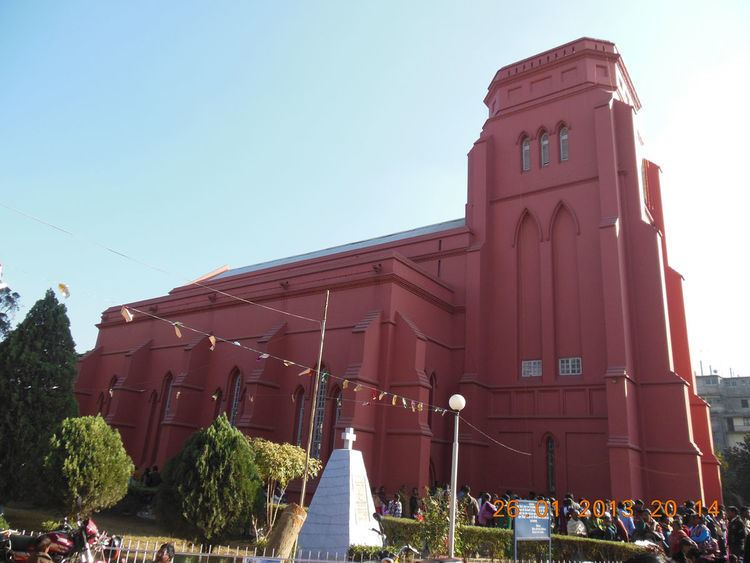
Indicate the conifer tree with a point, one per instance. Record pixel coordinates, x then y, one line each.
209 488
37 373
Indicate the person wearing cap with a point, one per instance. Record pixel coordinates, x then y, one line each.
609 530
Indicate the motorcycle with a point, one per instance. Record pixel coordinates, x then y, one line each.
80 544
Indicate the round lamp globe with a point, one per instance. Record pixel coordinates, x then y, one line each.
457 402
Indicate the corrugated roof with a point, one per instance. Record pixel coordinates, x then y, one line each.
412 233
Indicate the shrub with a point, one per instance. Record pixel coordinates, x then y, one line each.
210 486
87 468
497 543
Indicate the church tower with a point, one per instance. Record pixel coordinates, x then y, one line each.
576 344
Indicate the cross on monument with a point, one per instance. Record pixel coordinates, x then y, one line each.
349 437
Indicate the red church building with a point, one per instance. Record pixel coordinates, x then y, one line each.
551 306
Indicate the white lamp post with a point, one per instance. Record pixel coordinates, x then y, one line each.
457 403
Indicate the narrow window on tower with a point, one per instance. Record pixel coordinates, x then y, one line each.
563 144
544 148
570 366
526 154
531 368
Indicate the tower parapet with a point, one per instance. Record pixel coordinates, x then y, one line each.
582 63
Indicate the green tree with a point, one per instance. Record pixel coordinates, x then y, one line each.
735 472
210 486
87 468
37 372
8 306
279 464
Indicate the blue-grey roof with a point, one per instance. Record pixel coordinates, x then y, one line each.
413 233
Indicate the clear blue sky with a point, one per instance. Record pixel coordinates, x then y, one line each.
194 134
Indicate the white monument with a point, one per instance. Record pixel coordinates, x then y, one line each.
341 510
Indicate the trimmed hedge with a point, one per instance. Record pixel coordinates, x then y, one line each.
497 543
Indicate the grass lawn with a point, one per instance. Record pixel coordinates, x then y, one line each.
133 530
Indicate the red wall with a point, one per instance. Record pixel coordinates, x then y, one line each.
562 260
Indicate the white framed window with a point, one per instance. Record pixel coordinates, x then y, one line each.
746 421
531 368
563 144
526 154
544 148
570 366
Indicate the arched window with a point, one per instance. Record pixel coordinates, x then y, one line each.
166 400
335 416
544 148
320 413
551 464
299 421
168 395
563 144
526 154
234 398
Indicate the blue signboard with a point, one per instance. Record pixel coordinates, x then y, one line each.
529 525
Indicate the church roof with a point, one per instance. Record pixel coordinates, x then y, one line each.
394 237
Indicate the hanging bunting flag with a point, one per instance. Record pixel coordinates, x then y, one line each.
212 340
177 329
237 343
126 314
393 402
287 363
403 402
252 398
413 407
263 356
374 396
357 387
443 413
366 404
345 384
307 371
292 397
420 406
64 290
382 394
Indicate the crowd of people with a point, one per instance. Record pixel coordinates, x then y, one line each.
691 533
149 478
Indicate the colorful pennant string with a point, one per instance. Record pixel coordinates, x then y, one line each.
357 387
177 330
212 340
345 384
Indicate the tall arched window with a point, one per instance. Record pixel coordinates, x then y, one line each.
563 144
166 400
335 415
544 148
299 421
526 154
551 464
320 413
234 398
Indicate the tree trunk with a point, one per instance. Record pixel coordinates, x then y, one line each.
286 530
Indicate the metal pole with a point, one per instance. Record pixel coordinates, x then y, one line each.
454 478
314 401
